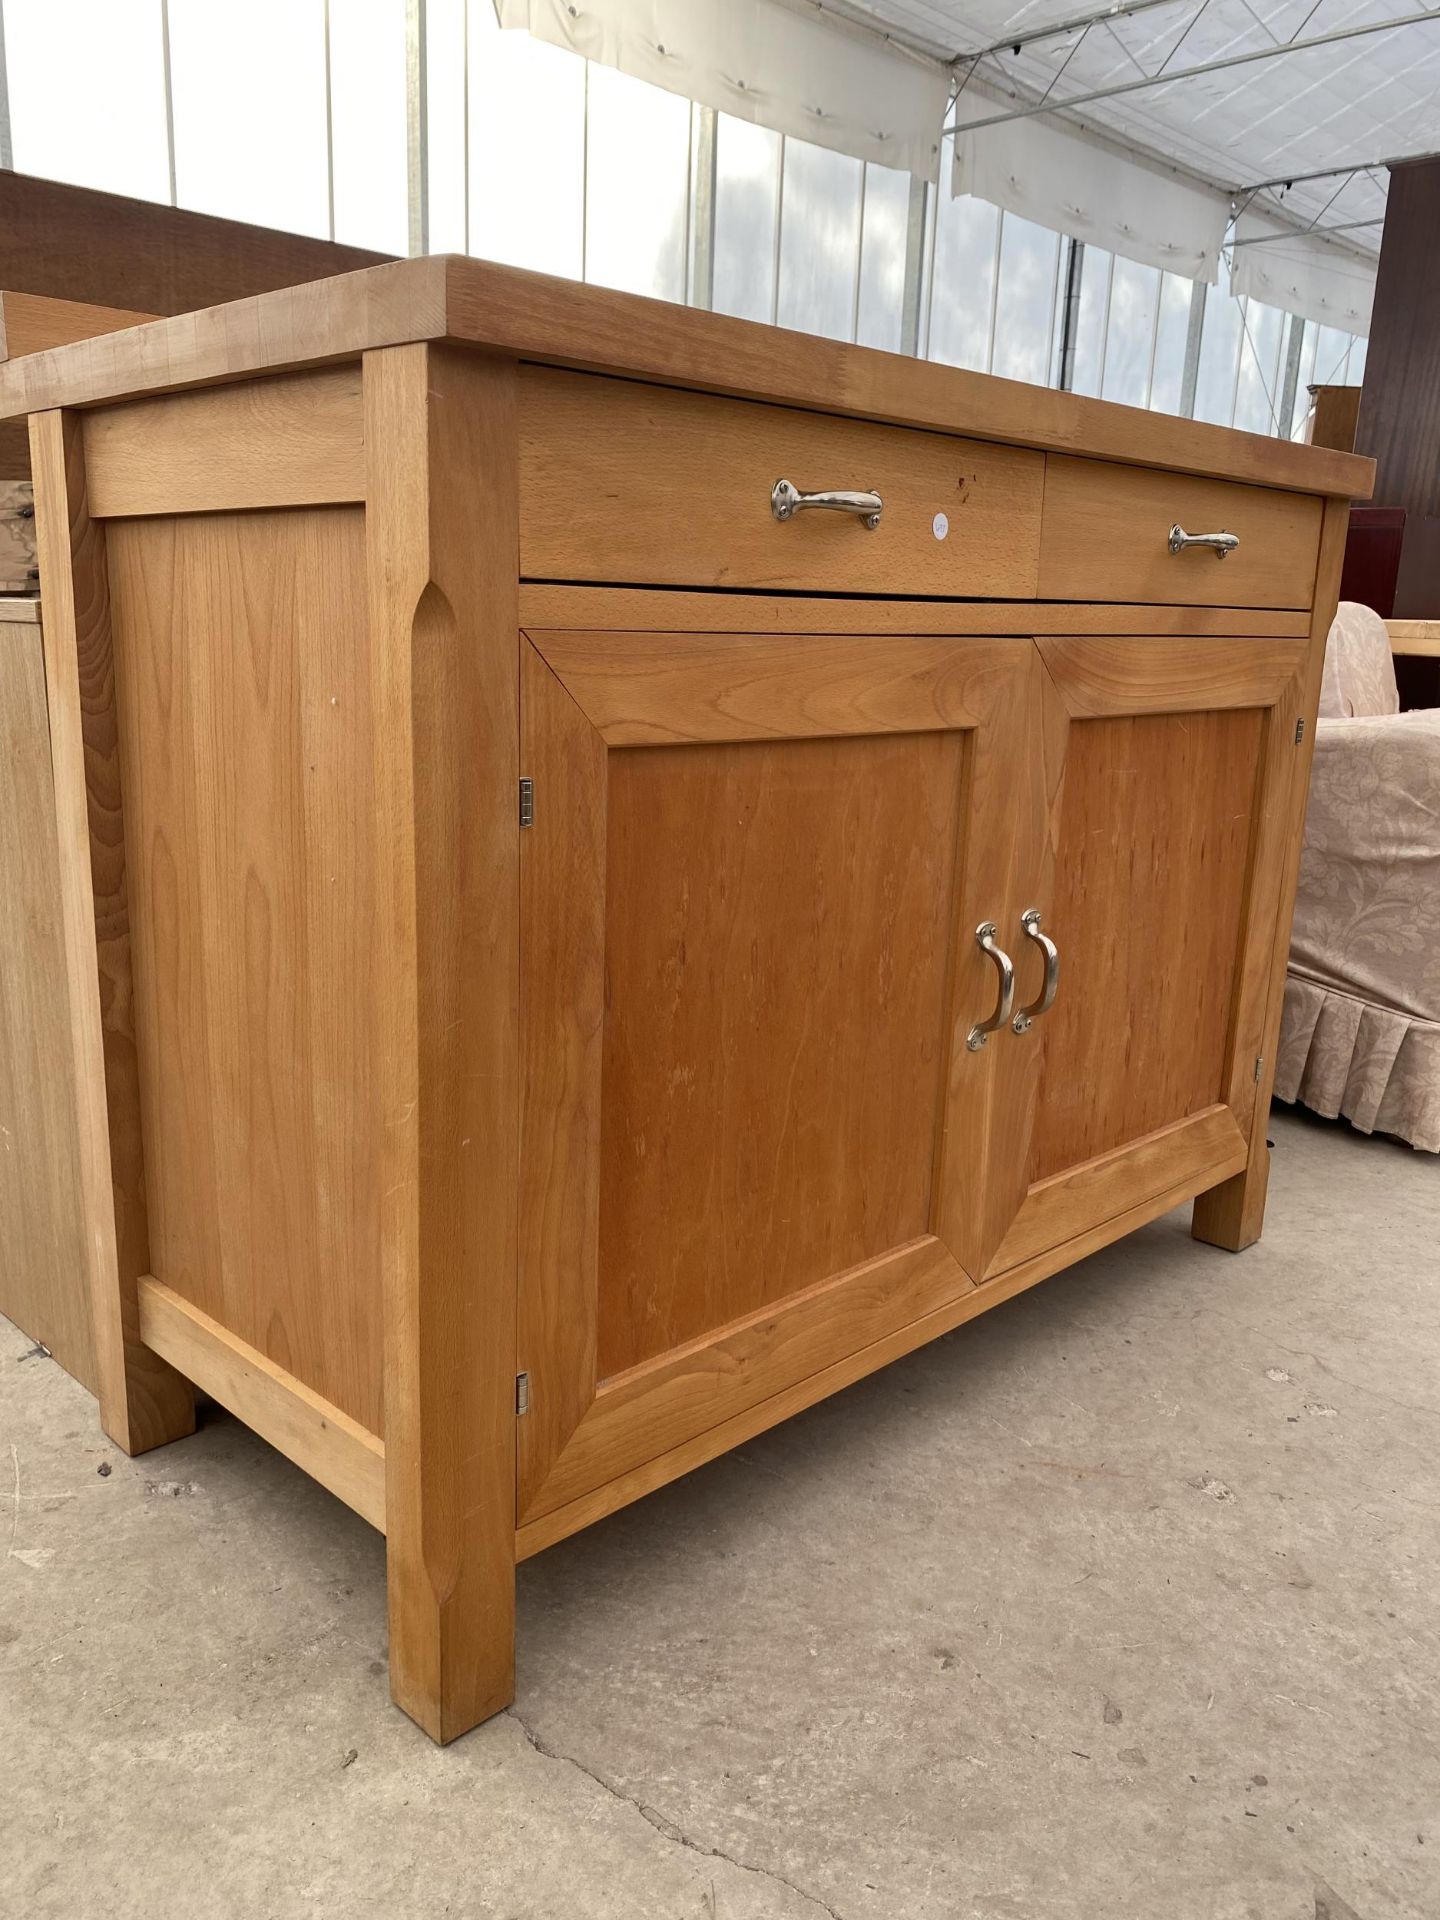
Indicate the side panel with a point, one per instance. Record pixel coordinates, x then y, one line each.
42 1272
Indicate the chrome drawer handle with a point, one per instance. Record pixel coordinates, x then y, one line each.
1219 543
1027 1016
786 500
1005 967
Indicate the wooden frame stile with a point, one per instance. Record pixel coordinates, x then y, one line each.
144 1402
442 544
1232 1214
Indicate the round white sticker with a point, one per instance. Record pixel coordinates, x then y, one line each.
940 526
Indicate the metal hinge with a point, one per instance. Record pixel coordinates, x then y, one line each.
522 1393
1259 1065
527 803
1299 731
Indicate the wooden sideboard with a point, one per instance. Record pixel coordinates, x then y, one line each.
561 953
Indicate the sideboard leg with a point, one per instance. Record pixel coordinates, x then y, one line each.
143 1402
1232 1215
442 543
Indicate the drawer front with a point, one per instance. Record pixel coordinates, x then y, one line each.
1106 533
630 484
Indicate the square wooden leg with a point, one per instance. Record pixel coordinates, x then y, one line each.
1232 1215
442 538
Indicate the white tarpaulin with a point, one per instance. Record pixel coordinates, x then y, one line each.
1317 278
1071 181
759 60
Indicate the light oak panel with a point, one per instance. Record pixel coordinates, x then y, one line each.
143 1402
242 671
1150 877
547 604
326 1443
777 936
1208 1143
639 690
624 482
511 311
1103 677
1231 1214
1106 529
441 524
42 1268
293 441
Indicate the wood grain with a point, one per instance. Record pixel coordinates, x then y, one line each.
143 1402
1107 676
440 435
1150 877
1204 1144
644 690
81 245
549 604
555 321
295 440
624 482
322 1440
30 322
42 1272
777 933
743 980
1232 1214
1105 531
247 766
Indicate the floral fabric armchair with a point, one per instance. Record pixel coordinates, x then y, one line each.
1361 1029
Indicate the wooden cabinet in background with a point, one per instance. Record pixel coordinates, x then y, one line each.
563 930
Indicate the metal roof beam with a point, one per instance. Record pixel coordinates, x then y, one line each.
1013 42
1207 66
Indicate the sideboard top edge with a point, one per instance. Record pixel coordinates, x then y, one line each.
537 317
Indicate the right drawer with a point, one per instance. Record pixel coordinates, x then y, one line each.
1105 533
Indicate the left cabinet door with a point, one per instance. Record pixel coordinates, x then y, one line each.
753 1138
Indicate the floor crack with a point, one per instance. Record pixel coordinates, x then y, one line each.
659 1822
1325 1366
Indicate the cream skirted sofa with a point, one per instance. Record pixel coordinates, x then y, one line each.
1361 1028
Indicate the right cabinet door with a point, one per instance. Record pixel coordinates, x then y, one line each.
1158 869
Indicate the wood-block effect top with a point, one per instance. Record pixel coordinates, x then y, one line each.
536 317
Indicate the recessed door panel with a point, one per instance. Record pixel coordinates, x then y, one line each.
777 922
1150 877
1172 761
753 1137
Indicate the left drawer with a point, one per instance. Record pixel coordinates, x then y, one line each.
630 484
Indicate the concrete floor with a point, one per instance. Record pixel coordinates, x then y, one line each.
1117 1604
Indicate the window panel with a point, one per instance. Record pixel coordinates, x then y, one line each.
1025 300
1332 351
445 89
1089 364
1130 335
1257 397
1172 330
87 93
747 206
527 149
1219 354
249 100
1355 369
819 240
882 258
369 129
962 280
637 185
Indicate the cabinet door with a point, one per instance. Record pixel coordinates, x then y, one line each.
1158 874
753 1137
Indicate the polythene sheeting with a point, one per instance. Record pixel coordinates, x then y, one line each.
797 73
1067 179
1320 279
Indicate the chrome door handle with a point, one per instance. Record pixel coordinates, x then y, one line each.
786 500
1219 543
1027 1016
1005 967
